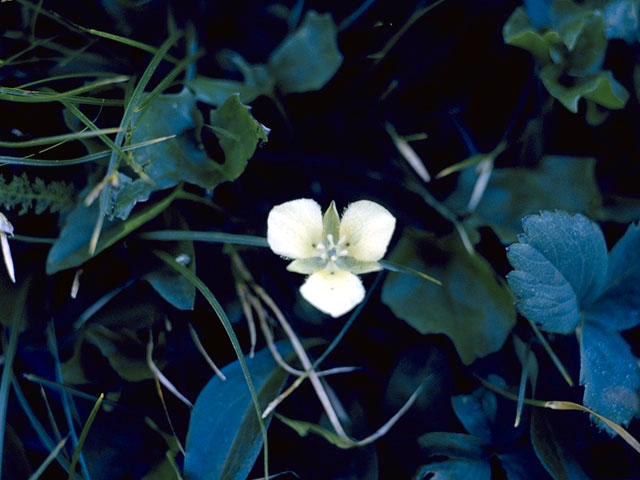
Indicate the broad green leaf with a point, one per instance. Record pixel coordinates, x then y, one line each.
304 428
539 11
124 351
224 438
72 246
215 91
182 159
171 285
521 464
477 412
472 307
468 458
455 468
609 373
559 182
243 134
600 87
618 308
519 32
560 264
307 59
554 456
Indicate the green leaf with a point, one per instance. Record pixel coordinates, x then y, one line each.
472 307
244 133
477 412
307 59
565 183
609 373
618 308
560 265
215 91
224 437
304 428
599 87
182 159
124 351
171 285
519 32
554 456
72 246
468 458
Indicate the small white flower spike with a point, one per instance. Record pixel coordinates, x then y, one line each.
331 251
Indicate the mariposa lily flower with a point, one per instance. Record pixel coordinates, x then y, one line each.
6 230
332 251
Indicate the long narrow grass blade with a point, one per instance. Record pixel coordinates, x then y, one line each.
522 390
50 458
396 267
64 397
61 387
129 42
35 162
624 434
65 76
551 353
213 301
58 138
7 369
130 108
83 435
35 96
212 237
37 426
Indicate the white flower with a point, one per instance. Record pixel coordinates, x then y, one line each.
331 251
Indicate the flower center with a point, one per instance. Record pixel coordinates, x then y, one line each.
329 250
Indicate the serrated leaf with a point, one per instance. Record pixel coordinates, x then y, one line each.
224 438
472 307
600 87
307 59
618 308
560 264
565 183
609 373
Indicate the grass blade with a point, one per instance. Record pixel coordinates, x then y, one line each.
58 138
396 267
7 370
212 237
35 96
36 162
83 435
208 295
50 458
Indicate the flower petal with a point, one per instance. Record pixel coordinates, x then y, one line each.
368 228
333 292
295 228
